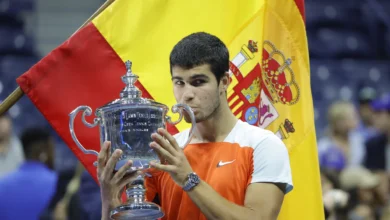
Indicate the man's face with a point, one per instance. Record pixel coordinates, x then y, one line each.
366 113
5 133
50 153
199 89
351 119
382 121
44 152
5 127
348 121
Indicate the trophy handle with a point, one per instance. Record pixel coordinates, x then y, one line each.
87 111
178 108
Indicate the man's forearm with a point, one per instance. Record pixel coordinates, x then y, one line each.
105 213
214 206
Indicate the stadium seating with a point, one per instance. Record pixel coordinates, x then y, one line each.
17 55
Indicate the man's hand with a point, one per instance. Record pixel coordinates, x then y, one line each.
112 184
172 156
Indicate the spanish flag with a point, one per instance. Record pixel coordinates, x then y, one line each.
269 69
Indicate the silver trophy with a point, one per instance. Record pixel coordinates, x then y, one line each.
128 123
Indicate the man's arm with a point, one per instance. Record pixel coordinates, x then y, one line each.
265 192
262 201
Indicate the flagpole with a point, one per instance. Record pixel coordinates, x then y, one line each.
100 10
18 93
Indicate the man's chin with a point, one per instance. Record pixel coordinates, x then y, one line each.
187 118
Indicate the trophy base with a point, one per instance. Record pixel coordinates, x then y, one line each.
139 211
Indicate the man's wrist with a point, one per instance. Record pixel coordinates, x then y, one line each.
191 182
106 212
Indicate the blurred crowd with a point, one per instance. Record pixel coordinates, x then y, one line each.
28 177
354 157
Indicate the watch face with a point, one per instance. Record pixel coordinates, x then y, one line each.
193 180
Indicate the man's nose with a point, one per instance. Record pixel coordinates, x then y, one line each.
188 94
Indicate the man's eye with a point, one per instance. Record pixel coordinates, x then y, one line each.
198 82
179 83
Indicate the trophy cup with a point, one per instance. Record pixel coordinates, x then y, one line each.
128 123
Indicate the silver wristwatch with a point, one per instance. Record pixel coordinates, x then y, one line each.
192 181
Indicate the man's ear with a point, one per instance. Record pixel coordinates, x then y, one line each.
224 82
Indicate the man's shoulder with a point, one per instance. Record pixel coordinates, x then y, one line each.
243 134
182 136
247 135
9 181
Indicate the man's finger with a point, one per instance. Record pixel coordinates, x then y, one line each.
162 152
109 170
164 143
122 171
167 168
128 179
170 138
103 156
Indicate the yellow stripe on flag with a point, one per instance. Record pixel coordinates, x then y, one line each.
285 28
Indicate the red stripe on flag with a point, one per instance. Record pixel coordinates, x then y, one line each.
235 103
84 70
239 110
301 6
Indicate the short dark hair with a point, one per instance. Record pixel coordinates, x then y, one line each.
198 49
31 136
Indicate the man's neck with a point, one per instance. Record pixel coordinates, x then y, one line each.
4 146
215 128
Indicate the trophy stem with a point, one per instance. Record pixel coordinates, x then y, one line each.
136 206
135 193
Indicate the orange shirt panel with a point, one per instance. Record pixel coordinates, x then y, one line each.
230 179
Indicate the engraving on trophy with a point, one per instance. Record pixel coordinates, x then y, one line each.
130 130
